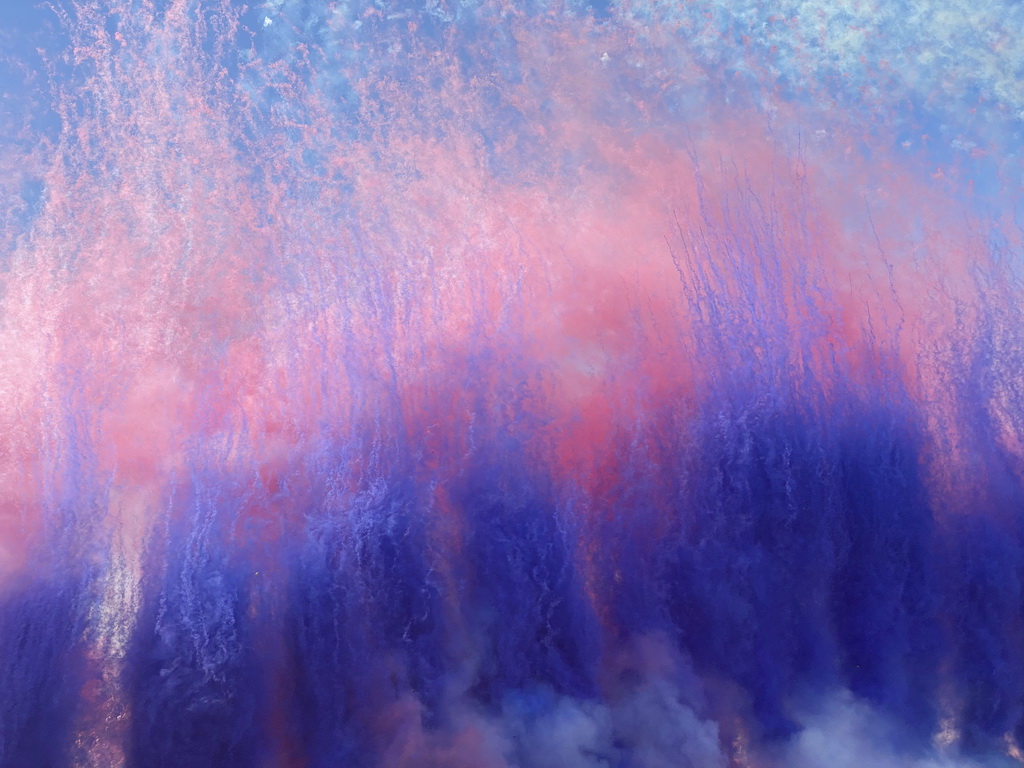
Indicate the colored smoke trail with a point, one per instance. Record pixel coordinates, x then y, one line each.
504 385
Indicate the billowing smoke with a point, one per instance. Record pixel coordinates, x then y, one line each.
511 385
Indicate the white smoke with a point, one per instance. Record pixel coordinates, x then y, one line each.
653 719
847 733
